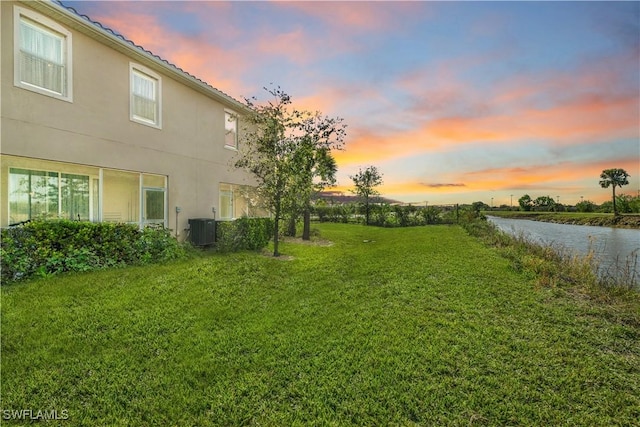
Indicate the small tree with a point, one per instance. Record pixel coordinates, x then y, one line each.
289 153
525 202
315 166
478 206
614 178
623 203
544 203
266 152
586 206
365 182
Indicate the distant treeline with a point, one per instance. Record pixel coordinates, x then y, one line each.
625 204
387 215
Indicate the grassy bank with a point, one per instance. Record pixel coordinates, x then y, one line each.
415 326
578 218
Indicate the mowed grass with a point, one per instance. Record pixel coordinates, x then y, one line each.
417 326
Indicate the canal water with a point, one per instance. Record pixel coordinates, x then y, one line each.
614 248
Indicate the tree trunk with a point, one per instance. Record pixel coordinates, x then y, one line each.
366 211
615 211
276 229
291 228
306 230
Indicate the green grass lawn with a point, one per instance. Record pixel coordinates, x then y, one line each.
414 326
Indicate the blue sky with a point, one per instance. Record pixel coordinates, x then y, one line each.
454 102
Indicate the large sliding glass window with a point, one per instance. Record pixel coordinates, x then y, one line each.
40 189
30 194
75 197
42 194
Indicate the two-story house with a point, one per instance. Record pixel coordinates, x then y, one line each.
96 128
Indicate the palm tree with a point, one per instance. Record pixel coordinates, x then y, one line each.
614 178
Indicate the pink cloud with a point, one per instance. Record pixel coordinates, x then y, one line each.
583 120
584 105
296 46
207 61
350 16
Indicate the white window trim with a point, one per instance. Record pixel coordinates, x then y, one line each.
144 70
18 13
229 147
143 221
93 216
231 195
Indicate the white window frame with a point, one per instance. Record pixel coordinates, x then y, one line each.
144 221
93 216
233 114
230 206
20 13
146 72
239 203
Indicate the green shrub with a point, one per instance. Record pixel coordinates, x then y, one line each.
403 215
243 234
385 215
51 247
322 212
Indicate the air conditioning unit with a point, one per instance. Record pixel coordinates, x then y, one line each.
203 231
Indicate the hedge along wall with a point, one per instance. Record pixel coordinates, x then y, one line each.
50 247
243 234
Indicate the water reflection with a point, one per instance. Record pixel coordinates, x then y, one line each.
612 246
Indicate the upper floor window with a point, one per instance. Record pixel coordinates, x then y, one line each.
230 130
145 96
42 55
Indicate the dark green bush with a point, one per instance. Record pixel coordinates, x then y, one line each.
385 215
339 213
322 212
243 234
50 247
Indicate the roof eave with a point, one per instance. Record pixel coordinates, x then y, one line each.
136 53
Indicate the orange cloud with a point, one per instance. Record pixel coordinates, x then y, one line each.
584 105
583 120
564 176
566 179
364 144
206 61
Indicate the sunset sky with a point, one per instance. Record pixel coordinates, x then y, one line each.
454 102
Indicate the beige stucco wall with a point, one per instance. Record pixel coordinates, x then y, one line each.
95 128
